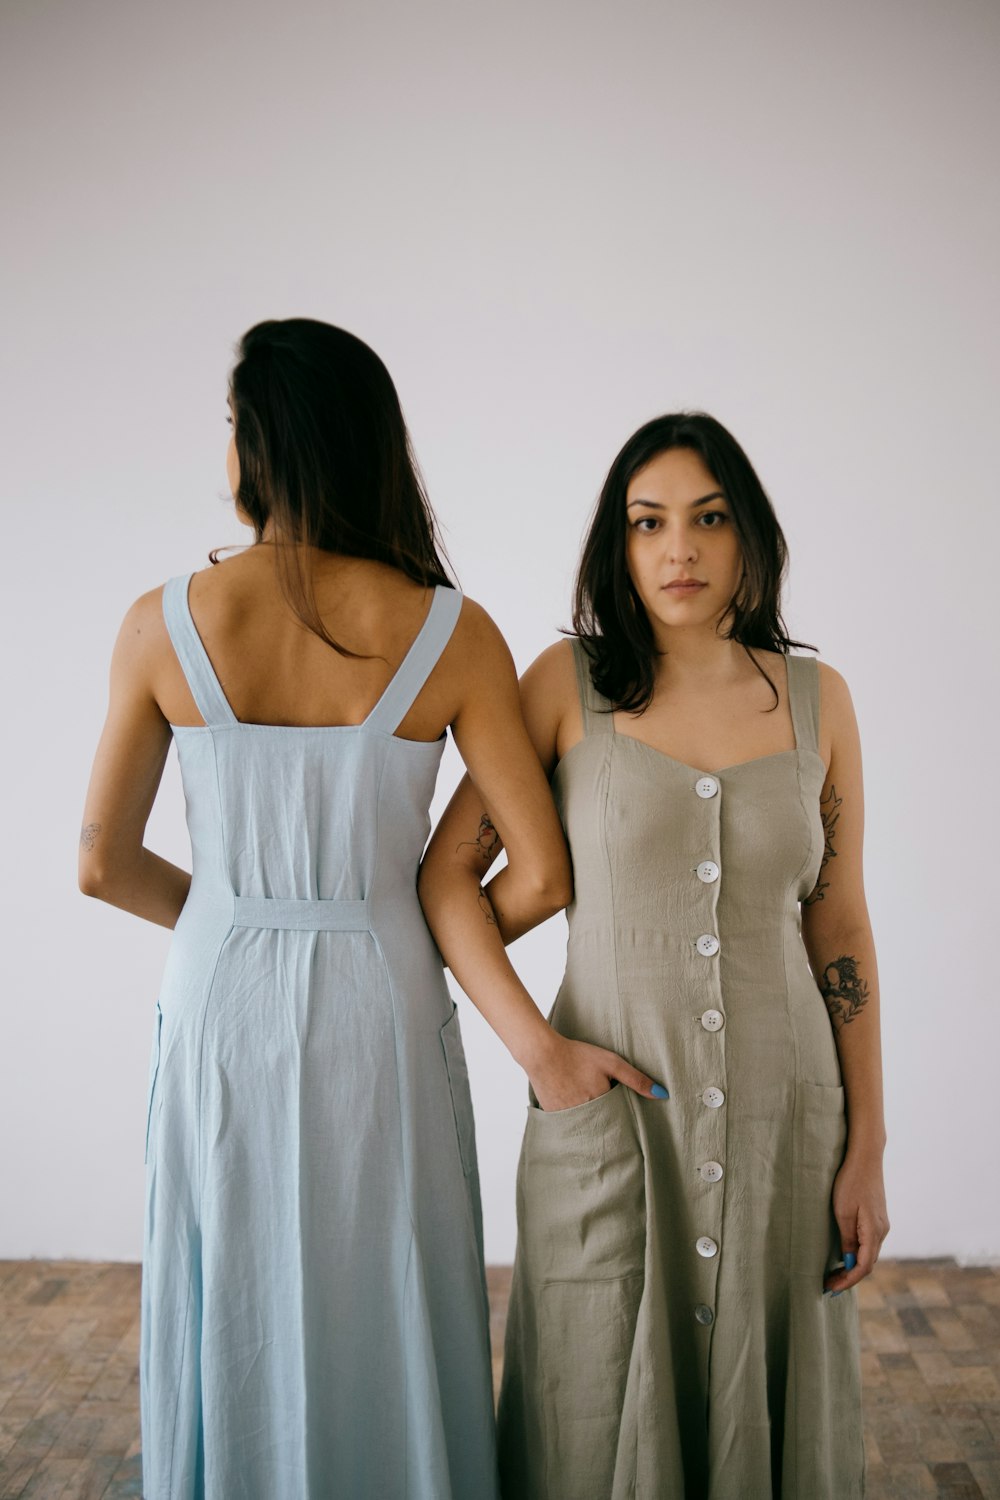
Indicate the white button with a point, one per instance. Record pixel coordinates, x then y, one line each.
706 786
706 1247
713 1020
704 1314
707 871
711 1171
708 945
713 1097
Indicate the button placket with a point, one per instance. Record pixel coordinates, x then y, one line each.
709 1148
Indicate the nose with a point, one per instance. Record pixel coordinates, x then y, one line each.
681 544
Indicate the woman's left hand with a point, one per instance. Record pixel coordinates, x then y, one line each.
859 1208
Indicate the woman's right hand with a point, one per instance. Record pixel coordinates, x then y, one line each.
571 1073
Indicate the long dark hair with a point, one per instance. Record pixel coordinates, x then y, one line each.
608 615
325 457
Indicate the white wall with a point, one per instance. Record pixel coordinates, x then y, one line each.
553 221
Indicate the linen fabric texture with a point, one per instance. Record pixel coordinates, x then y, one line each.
667 1332
314 1313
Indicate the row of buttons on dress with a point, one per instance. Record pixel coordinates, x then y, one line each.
708 946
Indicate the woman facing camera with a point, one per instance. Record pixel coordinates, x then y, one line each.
678 1322
314 1319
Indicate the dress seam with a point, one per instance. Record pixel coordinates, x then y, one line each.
211 987
620 1037
395 1007
180 1384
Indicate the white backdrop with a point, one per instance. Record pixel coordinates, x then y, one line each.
553 221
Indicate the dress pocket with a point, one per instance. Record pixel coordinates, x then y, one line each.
458 1084
581 1193
820 1139
579 1284
154 1068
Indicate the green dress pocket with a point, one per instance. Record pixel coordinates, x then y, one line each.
820 1139
581 1253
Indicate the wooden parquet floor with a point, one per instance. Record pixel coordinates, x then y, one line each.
69 1391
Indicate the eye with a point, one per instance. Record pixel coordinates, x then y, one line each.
646 524
229 418
711 520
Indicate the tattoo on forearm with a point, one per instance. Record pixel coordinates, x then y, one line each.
843 989
487 840
88 835
486 907
829 812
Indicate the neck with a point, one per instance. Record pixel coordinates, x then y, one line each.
696 651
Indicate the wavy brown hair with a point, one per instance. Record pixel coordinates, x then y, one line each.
325 457
608 615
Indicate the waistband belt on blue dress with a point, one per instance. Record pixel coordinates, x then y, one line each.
302 916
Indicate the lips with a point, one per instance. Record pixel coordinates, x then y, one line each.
685 586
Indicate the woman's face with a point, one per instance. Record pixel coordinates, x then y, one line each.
233 469
232 457
682 551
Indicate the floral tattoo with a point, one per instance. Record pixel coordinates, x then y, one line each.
88 835
829 812
487 840
843 989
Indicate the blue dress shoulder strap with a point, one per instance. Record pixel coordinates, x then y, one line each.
198 670
419 662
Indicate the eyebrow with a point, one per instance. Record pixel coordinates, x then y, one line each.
655 504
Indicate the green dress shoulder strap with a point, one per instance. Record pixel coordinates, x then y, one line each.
803 700
596 710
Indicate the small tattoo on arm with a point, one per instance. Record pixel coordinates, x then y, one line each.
829 812
88 835
487 840
486 907
843 989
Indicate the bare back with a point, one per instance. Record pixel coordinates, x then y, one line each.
275 671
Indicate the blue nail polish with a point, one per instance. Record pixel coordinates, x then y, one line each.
659 1092
850 1261
835 1294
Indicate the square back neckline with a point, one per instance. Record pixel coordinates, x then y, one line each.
233 722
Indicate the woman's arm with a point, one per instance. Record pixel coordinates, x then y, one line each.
505 803
538 882
838 939
114 866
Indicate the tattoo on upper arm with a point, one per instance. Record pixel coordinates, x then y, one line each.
829 812
487 840
88 835
843 989
486 907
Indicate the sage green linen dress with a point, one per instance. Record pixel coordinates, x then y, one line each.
668 1335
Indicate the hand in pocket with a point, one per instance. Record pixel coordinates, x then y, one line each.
574 1072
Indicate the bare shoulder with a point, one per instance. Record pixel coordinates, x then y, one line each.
477 646
476 627
551 703
839 742
143 630
835 695
552 675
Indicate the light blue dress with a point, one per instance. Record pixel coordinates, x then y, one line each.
315 1321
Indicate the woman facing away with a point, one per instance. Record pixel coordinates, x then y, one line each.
314 1318
677 1322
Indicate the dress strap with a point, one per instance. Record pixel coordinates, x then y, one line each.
596 710
198 670
419 662
803 700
